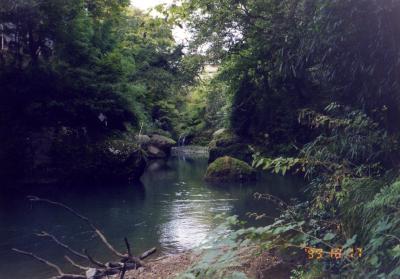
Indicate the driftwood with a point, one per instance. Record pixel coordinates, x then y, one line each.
148 253
61 274
126 261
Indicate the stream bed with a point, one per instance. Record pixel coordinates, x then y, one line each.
172 209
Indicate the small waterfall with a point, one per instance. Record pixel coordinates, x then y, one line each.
179 141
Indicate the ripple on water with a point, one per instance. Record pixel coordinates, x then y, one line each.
173 210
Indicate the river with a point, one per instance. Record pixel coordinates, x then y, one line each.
172 209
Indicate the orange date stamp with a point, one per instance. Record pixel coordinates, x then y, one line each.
334 254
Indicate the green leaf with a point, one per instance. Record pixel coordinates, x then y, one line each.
383 226
350 242
259 163
329 236
395 252
374 261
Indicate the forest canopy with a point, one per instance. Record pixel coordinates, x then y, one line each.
93 67
302 53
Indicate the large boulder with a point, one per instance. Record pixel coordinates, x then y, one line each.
120 160
156 146
240 151
109 160
142 139
71 154
159 146
228 169
162 141
154 152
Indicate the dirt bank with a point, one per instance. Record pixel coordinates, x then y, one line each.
250 261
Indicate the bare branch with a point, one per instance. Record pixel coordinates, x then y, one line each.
135 260
148 253
84 218
63 245
74 264
93 261
55 267
128 247
123 271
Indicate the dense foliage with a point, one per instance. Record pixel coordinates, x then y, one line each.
205 109
95 68
316 82
281 56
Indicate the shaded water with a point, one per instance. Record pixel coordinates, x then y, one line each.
172 209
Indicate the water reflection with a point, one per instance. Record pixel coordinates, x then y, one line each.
172 209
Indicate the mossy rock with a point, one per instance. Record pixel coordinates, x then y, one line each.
120 160
239 151
228 169
162 142
226 143
154 152
109 160
223 138
156 146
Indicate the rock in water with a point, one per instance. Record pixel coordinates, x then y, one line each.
155 153
226 143
142 139
162 142
228 169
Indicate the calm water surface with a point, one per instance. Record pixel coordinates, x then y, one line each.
172 209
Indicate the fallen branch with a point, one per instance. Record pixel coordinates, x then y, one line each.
93 261
123 272
63 245
148 253
61 274
127 261
54 266
66 247
128 247
84 218
74 264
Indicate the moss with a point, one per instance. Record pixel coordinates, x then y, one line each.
227 169
239 151
109 160
223 139
227 143
162 141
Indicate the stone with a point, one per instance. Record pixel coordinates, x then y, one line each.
226 143
228 169
219 132
239 151
154 152
142 139
162 141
